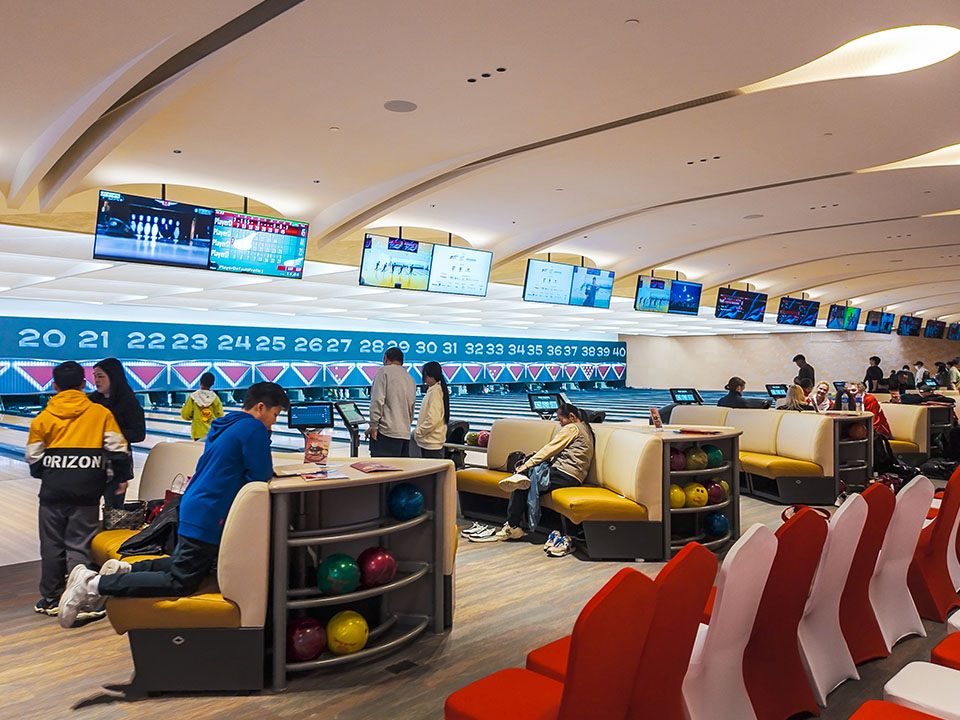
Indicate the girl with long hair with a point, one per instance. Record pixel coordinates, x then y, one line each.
431 430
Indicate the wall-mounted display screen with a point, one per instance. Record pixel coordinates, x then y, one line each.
843 317
592 287
953 331
934 329
258 245
909 325
878 322
740 305
653 294
797 311
562 284
393 263
459 271
131 228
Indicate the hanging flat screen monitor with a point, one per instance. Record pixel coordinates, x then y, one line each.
934 329
953 331
796 311
740 305
878 322
591 287
835 317
909 326
459 271
258 245
131 228
394 263
685 297
547 282
851 318
653 294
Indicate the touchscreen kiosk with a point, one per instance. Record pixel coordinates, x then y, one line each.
544 404
310 415
686 396
353 418
777 391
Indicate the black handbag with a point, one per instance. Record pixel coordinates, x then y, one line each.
132 516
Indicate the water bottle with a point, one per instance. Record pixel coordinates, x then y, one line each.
859 403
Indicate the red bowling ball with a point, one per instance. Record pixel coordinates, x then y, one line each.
715 493
377 566
678 460
306 639
483 439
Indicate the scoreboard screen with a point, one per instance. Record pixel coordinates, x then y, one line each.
258 245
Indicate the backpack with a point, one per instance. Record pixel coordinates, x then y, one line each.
514 459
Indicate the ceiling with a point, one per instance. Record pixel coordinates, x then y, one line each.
612 130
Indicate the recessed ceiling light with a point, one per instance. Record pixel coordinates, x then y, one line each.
316 181
632 22
558 190
177 152
400 106
754 216
333 128
886 52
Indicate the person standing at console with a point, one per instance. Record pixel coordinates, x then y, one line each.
806 371
392 400
873 375
431 430
237 451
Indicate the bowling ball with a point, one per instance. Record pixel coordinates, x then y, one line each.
338 574
677 497
696 459
716 524
715 493
714 456
696 495
347 632
483 439
857 431
677 459
306 639
726 489
377 566
472 438
405 501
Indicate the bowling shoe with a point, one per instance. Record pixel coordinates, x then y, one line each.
508 532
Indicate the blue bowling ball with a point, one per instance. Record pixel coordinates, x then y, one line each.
405 501
717 524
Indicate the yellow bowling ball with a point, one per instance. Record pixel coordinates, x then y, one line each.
696 495
678 498
726 488
347 632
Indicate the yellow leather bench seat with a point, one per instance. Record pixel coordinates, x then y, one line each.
203 610
904 446
106 544
593 503
481 481
774 466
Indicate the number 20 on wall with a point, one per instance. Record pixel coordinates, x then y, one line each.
53 338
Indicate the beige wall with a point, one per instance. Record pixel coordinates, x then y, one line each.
707 362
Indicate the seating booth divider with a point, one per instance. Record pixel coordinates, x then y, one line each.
913 427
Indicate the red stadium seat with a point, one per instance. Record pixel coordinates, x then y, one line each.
605 649
773 669
880 710
929 575
857 618
682 586
947 653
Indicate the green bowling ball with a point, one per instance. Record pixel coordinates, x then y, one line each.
338 574
714 456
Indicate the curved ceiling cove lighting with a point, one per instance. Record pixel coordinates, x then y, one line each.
881 53
943 214
949 155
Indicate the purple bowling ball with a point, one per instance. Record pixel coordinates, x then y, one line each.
377 566
715 492
678 461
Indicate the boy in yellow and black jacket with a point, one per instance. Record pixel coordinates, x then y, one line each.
70 444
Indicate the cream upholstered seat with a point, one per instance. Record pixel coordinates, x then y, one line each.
909 427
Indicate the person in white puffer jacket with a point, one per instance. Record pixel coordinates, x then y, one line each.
431 430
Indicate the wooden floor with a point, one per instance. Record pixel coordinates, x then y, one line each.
510 599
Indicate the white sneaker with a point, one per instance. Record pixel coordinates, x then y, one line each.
78 596
563 546
115 567
507 532
515 482
552 539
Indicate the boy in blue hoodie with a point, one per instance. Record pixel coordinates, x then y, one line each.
237 452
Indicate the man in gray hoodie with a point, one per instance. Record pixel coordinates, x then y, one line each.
392 401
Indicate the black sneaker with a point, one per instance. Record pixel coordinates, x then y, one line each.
47 606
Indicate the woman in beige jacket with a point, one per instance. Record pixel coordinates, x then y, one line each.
431 430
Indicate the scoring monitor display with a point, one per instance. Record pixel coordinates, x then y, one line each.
740 305
851 318
258 245
953 331
686 396
394 263
835 316
685 297
591 287
544 402
909 326
131 228
351 413
934 329
548 282
797 311
459 271
878 322
310 415
777 391
653 294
